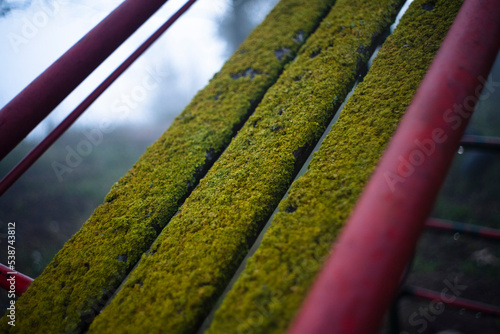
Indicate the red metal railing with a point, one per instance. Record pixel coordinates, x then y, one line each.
359 281
35 154
471 305
370 256
38 99
13 281
446 225
409 291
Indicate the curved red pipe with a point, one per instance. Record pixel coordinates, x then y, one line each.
23 113
360 279
13 281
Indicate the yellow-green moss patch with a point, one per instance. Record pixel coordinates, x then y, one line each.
176 284
275 280
91 265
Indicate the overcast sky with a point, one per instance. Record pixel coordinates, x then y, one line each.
182 61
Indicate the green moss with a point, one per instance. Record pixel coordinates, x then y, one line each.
275 280
92 264
176 284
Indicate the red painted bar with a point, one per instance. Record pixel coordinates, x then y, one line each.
468 304
471 229
359 281
20 282
23 113
33 156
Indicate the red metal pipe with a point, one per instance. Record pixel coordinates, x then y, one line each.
359 281
11 280
33 156
23 113
468 304
476 230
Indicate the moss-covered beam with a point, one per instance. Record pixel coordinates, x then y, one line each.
276 279
91 265
177 283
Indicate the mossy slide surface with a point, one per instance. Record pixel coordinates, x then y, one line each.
178 281
92 264
277 277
